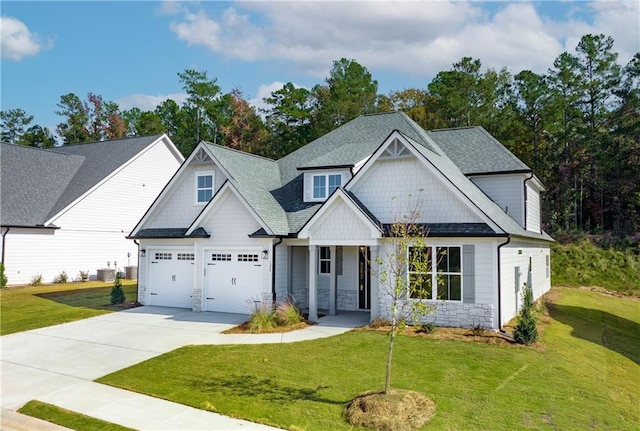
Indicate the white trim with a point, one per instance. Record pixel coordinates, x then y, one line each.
217 200
172 148
327 207
327 192
196 176
435 272
445 181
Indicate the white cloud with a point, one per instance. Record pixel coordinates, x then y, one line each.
147 102
417 38
17 41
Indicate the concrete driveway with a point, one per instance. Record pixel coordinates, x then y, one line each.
57 364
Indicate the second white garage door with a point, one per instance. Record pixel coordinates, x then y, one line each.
171 278
234 281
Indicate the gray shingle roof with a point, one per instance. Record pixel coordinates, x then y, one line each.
37 184
475 151
449 229
170 233
274 189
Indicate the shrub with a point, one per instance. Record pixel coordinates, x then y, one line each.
427 328
61 278
117 294
287 314
3 277
262 319
84 276
478 330
526 331
36 280
380 322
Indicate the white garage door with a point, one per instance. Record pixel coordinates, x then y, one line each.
234 281
171 278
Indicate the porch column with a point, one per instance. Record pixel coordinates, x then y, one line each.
374 307
332 281
313 297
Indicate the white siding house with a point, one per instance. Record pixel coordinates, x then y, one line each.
70 208
315 226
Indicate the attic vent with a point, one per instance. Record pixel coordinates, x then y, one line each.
395 150
201 156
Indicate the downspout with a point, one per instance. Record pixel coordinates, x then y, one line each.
273 270
500 286
4 242
524 184
135 241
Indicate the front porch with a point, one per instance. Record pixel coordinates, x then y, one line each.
333 280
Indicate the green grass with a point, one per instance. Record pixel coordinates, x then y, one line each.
31 307
585 264
583 375
67 418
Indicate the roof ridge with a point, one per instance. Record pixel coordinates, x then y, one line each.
448 129
126 138
244 153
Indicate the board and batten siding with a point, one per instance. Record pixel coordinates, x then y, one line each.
179 208
514 271
392 188
299 287
93 229
347 280
533 209
505 190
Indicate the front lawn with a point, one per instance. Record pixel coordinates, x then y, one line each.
67 418
583 374
31 307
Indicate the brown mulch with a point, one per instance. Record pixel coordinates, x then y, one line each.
445 333
397 410
126 305
244 328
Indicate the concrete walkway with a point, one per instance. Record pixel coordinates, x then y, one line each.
58 364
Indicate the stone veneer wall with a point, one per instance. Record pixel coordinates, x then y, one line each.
454 314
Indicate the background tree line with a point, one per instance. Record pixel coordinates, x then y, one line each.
577 126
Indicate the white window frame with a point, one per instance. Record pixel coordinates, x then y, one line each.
199 174
327 190
326 260
434 274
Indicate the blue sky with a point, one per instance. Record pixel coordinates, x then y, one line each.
131 51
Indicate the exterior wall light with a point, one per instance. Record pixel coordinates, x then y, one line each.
265 254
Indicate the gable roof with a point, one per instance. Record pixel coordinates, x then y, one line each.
39 183
274 189
475 151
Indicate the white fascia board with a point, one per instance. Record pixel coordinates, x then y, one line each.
446 182
218 200
329 204
167 188
115 172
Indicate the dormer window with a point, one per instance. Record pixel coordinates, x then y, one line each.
325 184
204 187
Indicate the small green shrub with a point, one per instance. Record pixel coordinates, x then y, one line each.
3 277
36 280
117 294
61 278
526 331
427 328
287 314
262 319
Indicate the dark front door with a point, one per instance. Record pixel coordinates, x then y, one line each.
364 278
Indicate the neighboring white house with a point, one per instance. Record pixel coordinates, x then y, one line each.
70 208
233 230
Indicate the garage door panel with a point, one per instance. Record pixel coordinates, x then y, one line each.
234 281
171 278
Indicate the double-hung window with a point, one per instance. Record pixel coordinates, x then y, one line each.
204 187
325 184
445 283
